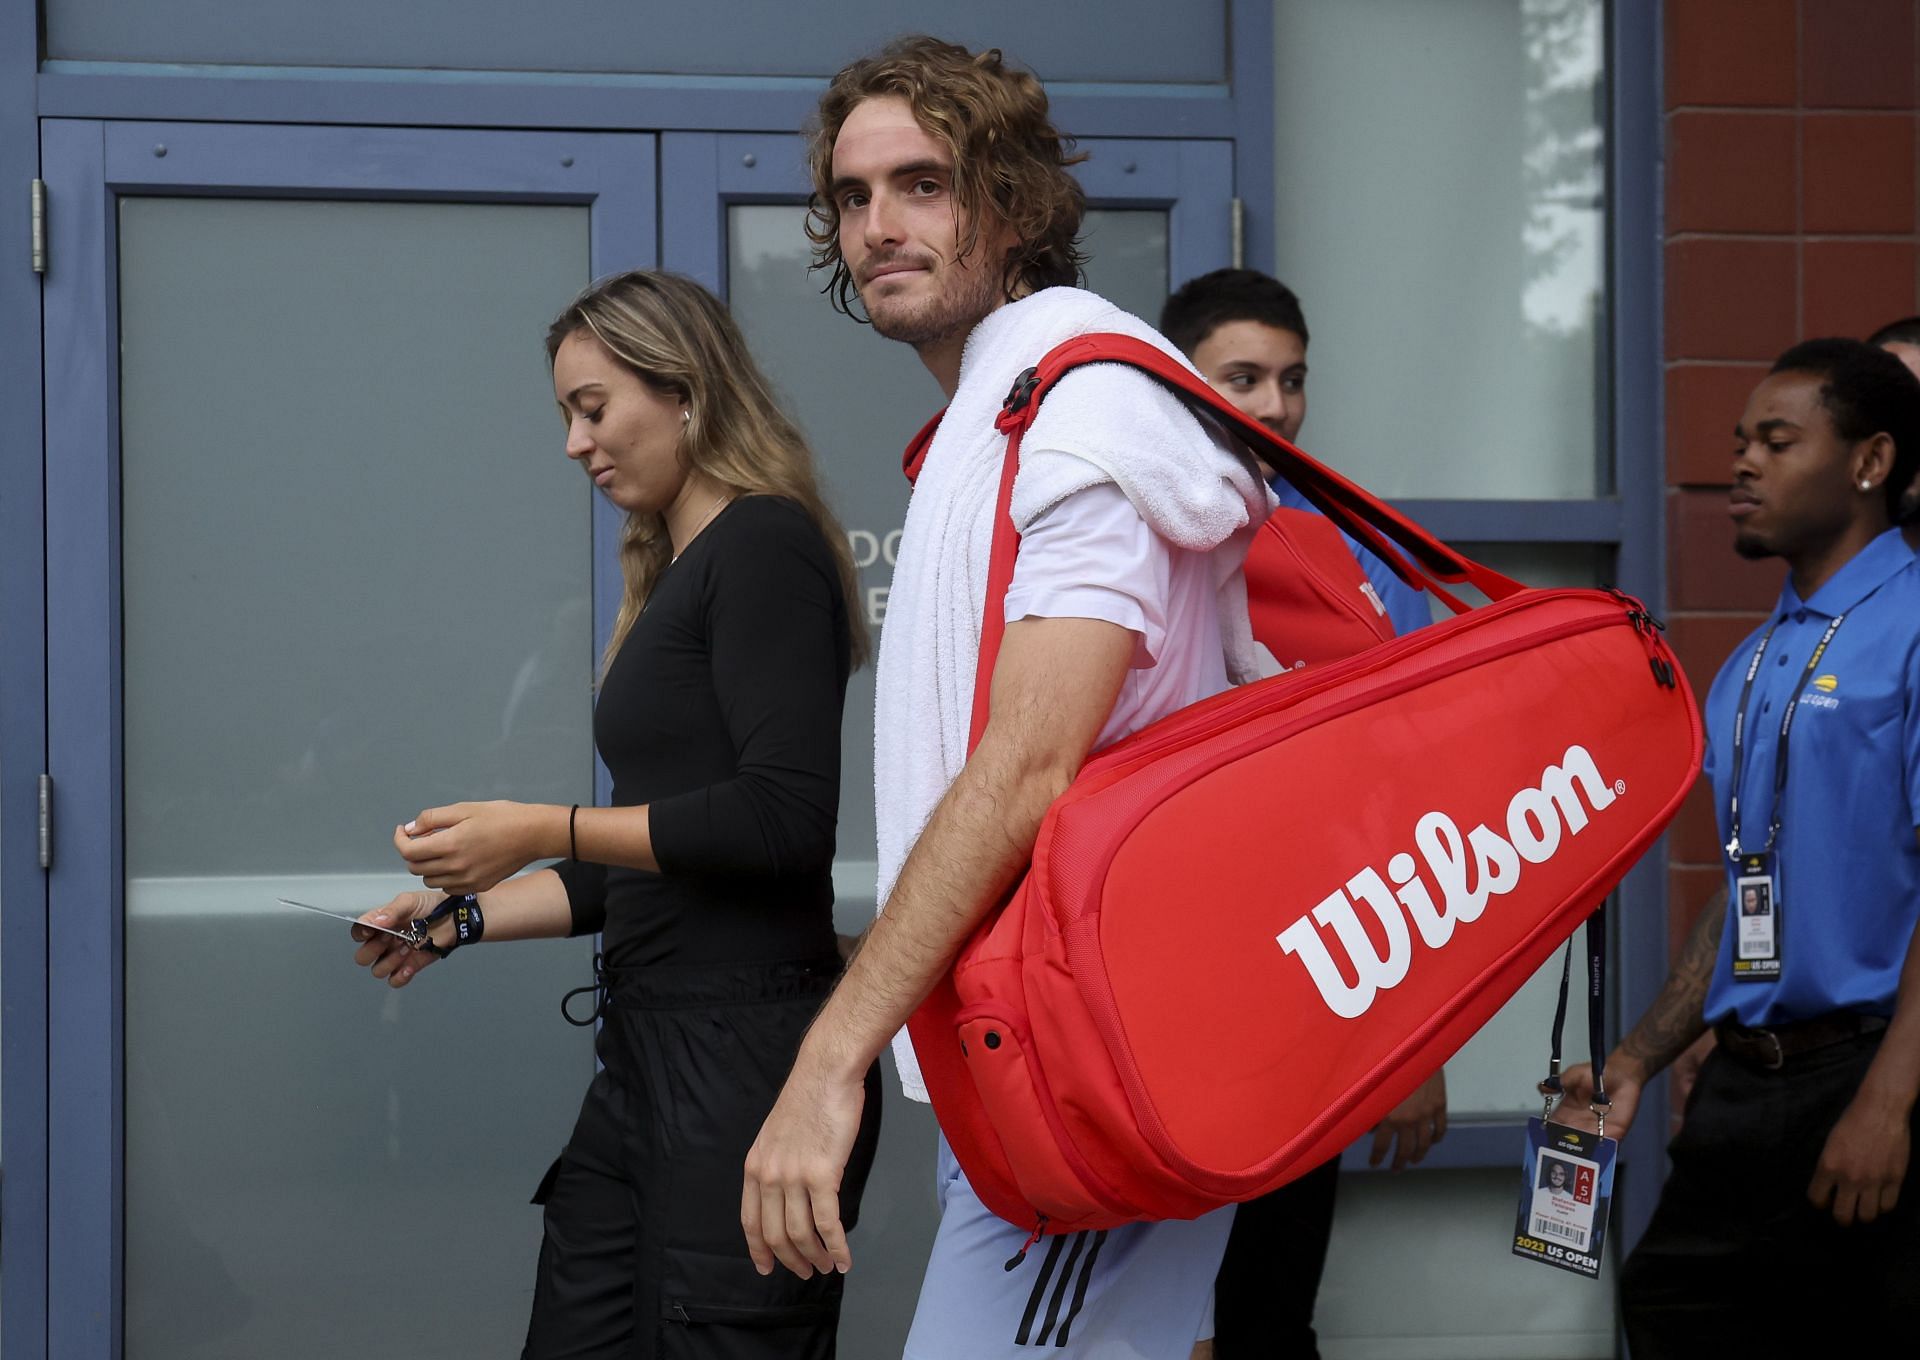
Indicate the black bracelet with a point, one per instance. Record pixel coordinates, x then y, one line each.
573 846
468 922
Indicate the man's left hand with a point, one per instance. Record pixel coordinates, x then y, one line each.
790 1200
1863 1163
1415 1124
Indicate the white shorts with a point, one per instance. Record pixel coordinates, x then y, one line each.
1144 1290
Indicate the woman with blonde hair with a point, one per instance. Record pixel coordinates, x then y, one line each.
710 874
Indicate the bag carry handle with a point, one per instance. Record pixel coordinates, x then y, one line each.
1428 561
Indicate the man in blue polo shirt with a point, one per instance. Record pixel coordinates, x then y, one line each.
1793 1207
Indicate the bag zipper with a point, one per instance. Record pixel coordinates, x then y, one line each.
1039 1228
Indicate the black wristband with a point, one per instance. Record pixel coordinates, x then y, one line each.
459 906
468 922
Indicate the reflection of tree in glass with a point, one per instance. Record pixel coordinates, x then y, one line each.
1562 166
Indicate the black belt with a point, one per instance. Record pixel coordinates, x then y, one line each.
1769 1048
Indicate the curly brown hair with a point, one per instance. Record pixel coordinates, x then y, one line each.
1008 158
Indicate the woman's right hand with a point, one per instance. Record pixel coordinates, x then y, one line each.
386 956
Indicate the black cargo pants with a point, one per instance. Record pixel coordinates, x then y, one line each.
643 1254
1737 1258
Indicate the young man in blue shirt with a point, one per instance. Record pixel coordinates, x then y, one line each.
1793 1205
1246 333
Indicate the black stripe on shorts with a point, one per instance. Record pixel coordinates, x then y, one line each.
1056 1289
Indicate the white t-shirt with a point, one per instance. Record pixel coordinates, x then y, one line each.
1093 557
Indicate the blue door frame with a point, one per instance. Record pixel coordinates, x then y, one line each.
90 166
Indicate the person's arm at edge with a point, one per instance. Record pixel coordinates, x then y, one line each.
1054 686
1674 1020
1865 1157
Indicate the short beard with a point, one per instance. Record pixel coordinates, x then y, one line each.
971 295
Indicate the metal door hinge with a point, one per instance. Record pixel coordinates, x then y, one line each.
39 226
46 821
1237 218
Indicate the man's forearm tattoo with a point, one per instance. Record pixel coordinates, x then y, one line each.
1675 1019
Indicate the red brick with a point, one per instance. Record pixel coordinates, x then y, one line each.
1695 836
1703 642
1704 402
1729 299
1857 54
1704 571
1857 172
1731 52
1853 287
1688 890
1730 172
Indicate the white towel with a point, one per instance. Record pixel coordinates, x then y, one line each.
1099 424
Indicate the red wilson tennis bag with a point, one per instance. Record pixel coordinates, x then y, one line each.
1254 927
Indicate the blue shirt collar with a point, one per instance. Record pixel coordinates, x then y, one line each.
1865 572
1289 497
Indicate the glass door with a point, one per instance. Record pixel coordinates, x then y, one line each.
317 562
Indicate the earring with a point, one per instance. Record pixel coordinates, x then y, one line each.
686 416
1866 486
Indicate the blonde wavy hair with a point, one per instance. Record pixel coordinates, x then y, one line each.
679 339
1009 161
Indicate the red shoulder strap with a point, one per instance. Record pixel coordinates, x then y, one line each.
916 453
1428 561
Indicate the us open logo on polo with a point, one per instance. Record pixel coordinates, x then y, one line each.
1467 870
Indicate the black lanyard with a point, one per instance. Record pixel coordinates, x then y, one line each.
1596 1016
1733 847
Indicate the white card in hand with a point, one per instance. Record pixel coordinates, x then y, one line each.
399 935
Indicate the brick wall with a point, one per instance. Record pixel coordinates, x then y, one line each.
1790 213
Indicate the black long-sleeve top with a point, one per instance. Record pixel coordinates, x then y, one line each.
721 712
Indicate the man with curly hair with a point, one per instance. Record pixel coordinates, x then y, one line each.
944 208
